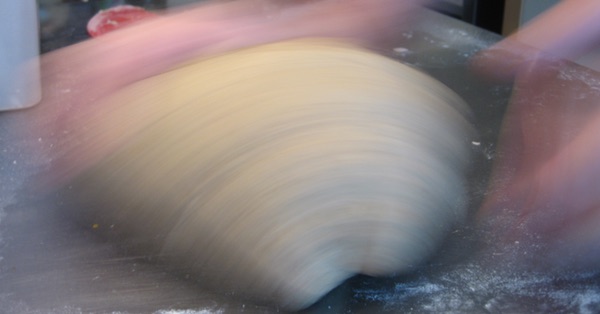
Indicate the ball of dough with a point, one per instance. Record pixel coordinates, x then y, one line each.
279 171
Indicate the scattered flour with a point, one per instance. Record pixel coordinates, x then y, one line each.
200 311
475 289
589 78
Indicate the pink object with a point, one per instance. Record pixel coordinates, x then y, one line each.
106 21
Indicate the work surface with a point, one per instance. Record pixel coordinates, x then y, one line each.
49 265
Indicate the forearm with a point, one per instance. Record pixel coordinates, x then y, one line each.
154 46
567 30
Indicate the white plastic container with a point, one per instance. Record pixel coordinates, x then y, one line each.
20 85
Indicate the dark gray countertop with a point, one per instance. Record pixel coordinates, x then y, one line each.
48 265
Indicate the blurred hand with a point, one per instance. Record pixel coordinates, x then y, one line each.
544 193
566 31
75 78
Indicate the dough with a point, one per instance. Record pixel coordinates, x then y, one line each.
280 171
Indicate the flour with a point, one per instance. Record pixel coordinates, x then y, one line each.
582 75
472 288
199 311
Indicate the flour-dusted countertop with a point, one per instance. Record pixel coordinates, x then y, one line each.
50 265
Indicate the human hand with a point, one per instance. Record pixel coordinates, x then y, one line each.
543 200
74 79
566 31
